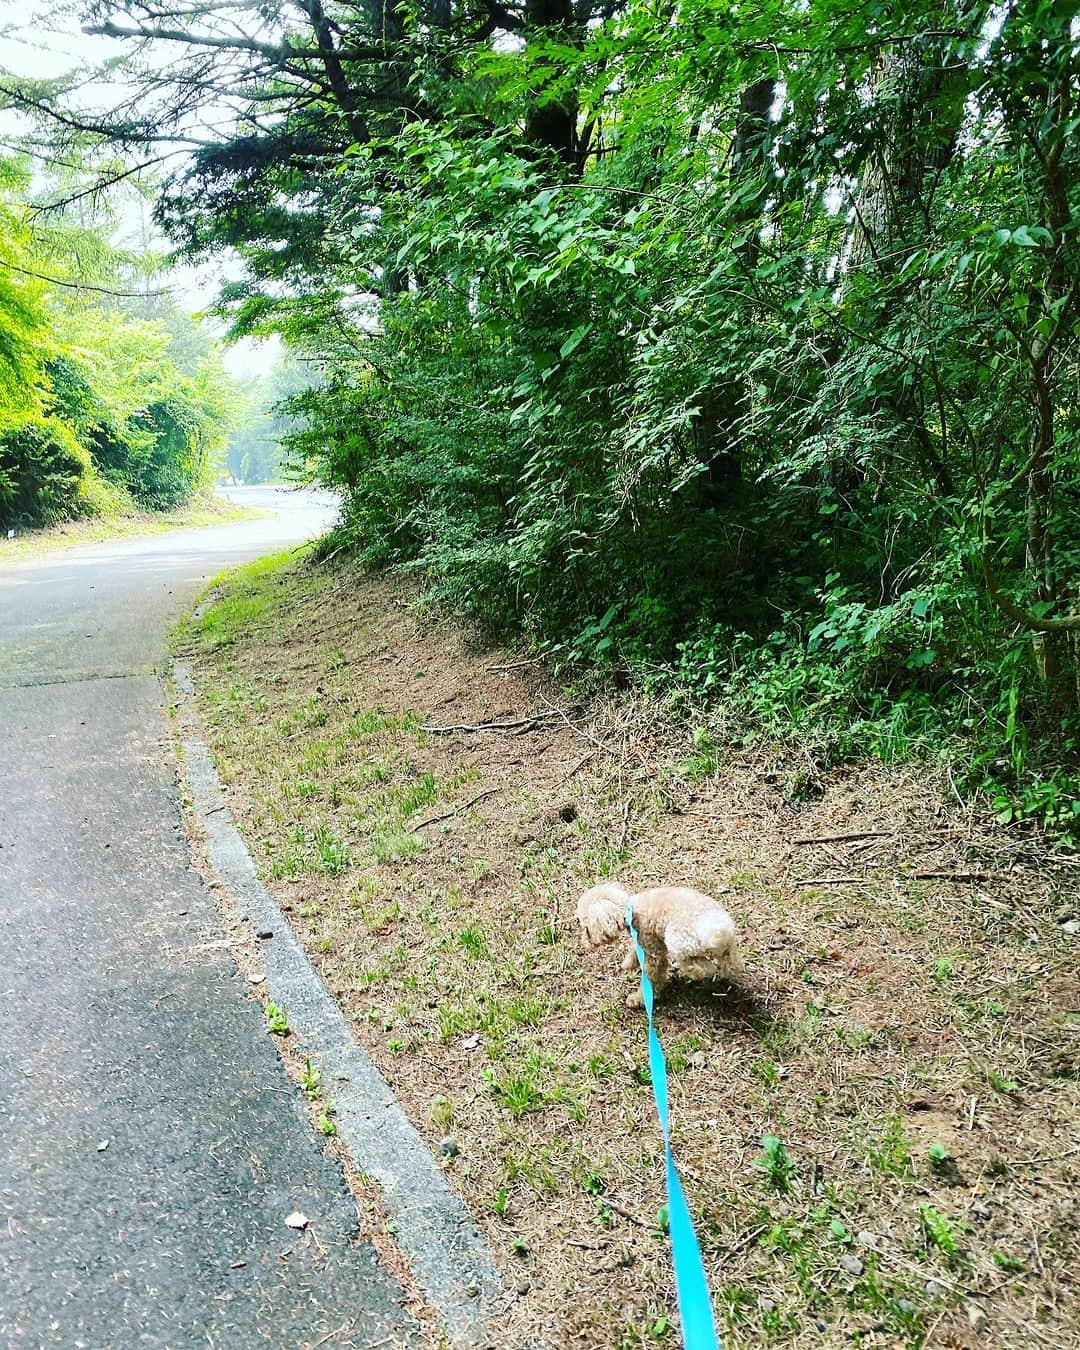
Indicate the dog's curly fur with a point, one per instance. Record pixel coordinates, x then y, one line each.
681 930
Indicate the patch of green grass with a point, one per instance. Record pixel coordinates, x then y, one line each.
547 935
243 596
277 1023
472 940
531 1168
519 1091
479 1012
333 853
391 844
311 1080
238 696
704 760
442 1113
601 1066
809 1025
766 1072
222 623
940 1231
680 1048
527 1010
938 1155
375 722
373 973
1006 1086
890 1153
856 1037
776 1164
372 771
420 793
315 759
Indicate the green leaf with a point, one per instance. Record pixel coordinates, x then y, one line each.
574 341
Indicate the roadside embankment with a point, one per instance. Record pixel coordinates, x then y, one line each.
877 1126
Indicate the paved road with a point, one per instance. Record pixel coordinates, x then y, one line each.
150 1144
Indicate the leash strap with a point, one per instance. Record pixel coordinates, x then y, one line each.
691 1286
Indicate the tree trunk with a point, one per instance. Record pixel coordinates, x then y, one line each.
712 429
550 122
917 127
1051 650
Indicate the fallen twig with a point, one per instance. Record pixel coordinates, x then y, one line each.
952 876
626 1214
434 820
578 766
742 1244
1031 1162
537 719
833 881
620 754
843 838
345 1326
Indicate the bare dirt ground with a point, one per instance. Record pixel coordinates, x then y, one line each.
905 1032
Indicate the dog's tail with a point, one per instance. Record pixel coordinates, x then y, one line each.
601 911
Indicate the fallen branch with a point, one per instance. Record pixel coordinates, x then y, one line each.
434 820
618 1209
844 838
579 765
833 881
556 711
952 876
537 719
742 1244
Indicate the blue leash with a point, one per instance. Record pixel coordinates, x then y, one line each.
691 1286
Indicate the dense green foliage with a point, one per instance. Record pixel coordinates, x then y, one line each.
108 399
735 347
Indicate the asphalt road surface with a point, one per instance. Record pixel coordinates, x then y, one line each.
151 1146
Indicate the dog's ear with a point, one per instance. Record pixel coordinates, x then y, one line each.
600 913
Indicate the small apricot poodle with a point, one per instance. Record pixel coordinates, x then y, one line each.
681 931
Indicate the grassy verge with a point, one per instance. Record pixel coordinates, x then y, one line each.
204 511
878 1127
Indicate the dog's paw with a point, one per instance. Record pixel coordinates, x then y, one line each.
636 999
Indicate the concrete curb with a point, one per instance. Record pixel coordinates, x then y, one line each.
445 1250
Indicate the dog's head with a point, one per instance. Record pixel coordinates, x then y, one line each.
601 911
